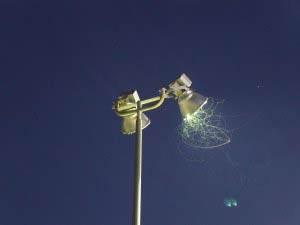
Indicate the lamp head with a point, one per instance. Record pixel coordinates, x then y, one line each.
189 102
129 123
128 102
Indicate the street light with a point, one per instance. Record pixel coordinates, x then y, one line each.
130 108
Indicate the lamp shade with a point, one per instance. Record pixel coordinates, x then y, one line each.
189 102
129 123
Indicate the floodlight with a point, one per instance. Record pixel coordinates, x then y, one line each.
189 102
129 123
128 102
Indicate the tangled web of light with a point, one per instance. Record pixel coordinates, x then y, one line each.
205 129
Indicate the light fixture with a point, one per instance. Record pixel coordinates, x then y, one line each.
188 100
131 109
128 101
129 123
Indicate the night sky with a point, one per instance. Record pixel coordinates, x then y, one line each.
63 158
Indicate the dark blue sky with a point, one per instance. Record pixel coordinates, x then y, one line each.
63 159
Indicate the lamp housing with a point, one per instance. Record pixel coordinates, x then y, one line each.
129 123
127 102
189 102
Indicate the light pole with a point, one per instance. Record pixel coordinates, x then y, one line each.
130 108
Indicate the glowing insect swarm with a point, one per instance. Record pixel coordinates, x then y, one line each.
204 129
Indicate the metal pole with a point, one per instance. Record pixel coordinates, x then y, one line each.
136 215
